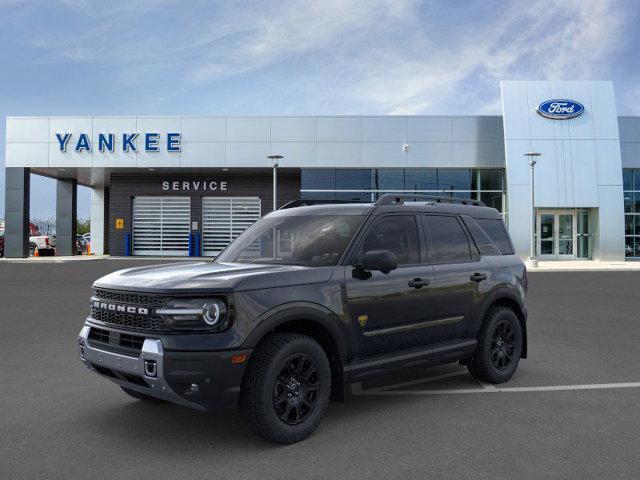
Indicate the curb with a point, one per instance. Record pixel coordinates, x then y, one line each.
89 258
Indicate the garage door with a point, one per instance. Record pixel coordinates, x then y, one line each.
224 218
161 225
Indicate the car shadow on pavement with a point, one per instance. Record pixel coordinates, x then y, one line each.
159 426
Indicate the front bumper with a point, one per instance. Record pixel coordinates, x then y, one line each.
199 380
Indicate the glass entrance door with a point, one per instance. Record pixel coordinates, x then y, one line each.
584 246
565 234
546 227
557 238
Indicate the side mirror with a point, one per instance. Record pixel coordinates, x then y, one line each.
382 260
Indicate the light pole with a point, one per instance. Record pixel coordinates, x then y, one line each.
532 260
274 162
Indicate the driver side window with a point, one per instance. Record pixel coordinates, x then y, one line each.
397 233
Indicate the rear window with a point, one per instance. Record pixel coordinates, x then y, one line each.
496 231
484 243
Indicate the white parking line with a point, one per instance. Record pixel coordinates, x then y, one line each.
487 386
357 389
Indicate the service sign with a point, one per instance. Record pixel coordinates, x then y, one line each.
194 185
560 109
106 142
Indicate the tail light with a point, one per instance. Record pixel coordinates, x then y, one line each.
46 240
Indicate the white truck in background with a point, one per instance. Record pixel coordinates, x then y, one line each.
44 243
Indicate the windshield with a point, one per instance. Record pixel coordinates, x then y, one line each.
313 240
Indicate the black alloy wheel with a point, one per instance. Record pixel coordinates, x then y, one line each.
499 346
296 388
503 345
286 387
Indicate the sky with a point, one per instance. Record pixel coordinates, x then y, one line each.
135 57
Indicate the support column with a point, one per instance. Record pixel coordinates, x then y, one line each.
97 221
66 217
17 191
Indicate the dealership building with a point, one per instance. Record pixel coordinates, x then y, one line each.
181 186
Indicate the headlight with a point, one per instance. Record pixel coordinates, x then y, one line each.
196 313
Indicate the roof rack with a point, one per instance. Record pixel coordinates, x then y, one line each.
399 199
305 203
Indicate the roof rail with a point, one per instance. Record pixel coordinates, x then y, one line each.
399 199
305 203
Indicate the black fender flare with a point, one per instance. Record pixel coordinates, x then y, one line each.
510 293
308 311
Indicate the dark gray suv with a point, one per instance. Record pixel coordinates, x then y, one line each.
309 300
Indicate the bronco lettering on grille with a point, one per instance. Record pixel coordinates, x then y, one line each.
120 308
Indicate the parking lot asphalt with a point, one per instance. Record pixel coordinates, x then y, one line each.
571 411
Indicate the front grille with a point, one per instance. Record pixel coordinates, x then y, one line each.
131 341
127 320
137 299
99 335
123 343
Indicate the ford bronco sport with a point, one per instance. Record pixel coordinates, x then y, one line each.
309 300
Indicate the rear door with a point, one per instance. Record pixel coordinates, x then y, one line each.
389 312
461 276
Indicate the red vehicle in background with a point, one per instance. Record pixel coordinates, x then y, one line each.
44 243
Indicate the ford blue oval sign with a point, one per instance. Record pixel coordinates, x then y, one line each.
560 109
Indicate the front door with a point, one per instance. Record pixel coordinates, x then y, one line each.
390 312
557 235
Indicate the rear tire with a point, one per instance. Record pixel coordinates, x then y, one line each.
499 347
286 387
141 396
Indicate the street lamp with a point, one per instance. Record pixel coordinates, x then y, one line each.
532 261
274 162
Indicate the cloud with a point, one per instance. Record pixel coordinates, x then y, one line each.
280 31
391 56
540 40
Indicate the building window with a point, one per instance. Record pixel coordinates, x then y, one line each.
365 185
631 181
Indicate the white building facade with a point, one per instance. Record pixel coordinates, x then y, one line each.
189 185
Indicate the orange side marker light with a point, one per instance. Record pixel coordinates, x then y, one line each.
239 358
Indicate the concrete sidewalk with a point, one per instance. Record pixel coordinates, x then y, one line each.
543 266
80 258
584 266
53 259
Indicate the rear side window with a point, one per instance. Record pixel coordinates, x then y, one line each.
484 243
447 241
496 231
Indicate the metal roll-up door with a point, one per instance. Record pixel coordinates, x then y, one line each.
161 225
224 218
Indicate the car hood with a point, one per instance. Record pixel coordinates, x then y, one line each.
203 277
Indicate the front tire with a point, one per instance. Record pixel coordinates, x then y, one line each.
499 347
286 387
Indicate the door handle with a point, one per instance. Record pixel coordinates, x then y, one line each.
478 277
418 283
